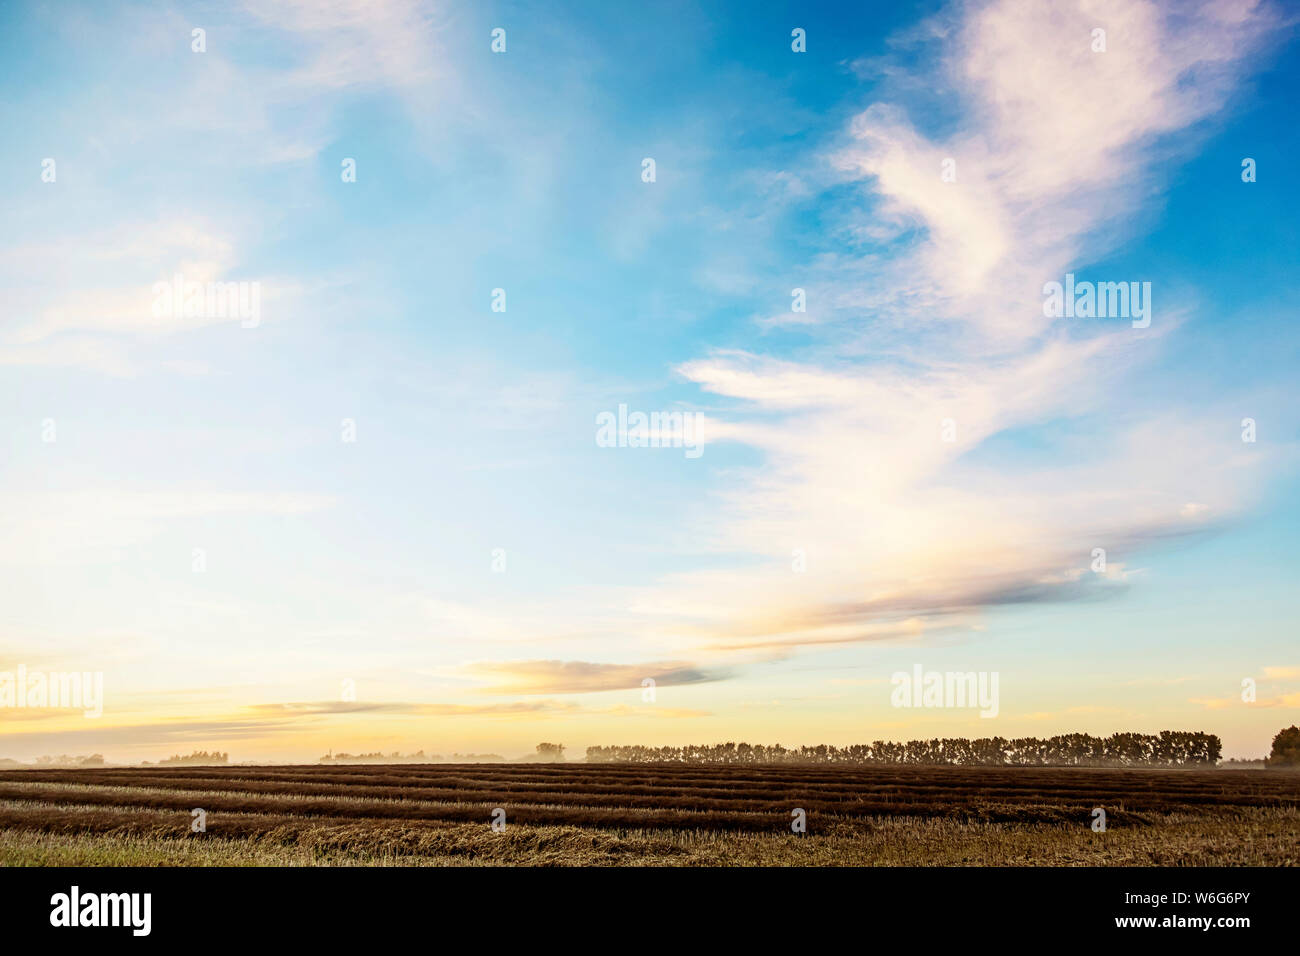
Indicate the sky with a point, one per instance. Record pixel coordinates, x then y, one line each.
372 511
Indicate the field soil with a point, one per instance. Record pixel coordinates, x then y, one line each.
648 814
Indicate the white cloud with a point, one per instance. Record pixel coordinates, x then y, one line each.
903 531
1058 141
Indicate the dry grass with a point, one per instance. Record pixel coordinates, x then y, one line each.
432 816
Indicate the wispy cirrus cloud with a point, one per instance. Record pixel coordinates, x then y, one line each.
1271 694
308 709
357 43
585 677
1056 157
1279 701
883 474
1282 673
83 298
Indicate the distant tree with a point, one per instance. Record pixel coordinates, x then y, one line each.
1286 748
552 753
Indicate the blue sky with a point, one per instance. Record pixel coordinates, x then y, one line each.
372 561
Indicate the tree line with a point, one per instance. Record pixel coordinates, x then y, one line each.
198 757
1169 748
418 757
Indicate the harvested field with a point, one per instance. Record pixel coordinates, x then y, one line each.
650 814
